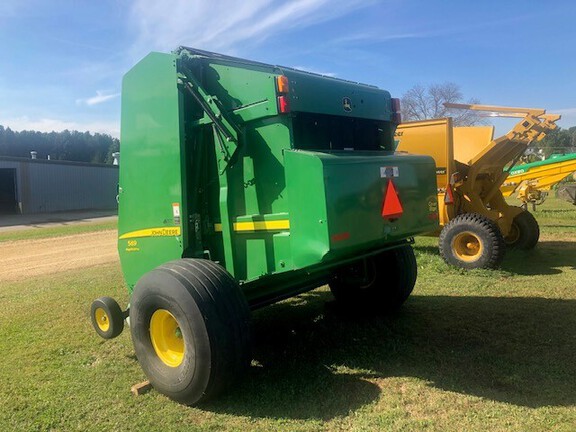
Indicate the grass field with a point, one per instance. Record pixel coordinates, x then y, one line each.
71 229
470 351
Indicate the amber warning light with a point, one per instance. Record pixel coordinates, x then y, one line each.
283 88
282 84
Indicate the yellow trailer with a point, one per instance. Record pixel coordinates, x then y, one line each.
471 166
533 180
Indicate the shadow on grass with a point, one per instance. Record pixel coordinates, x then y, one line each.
317 362
432 250
546 258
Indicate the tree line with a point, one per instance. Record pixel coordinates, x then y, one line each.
559 141
66 145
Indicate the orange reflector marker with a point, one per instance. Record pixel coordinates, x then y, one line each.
449 195
392 207
283 104
282 84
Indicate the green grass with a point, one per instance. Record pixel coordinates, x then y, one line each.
469 351
59 231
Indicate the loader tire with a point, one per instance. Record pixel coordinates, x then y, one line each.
190 326
524 233
381 282
472 241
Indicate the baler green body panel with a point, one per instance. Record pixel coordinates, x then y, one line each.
150 179
248 93
212 169
320 94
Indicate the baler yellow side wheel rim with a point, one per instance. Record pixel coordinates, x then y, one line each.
166 338
467 246
102 319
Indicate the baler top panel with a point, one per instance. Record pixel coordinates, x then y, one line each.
307 92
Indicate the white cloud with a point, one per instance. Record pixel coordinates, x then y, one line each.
380 37
100 97
56 125
308 69
227 24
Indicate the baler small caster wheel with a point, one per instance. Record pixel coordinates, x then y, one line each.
107 317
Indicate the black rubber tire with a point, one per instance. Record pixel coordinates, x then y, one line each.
213 318
113 317
525 232
483 231
381 282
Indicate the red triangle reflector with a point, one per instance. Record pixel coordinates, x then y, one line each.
391 208
449 195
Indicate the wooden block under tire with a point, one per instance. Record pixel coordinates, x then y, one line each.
141 388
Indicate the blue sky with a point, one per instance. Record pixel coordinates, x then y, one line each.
62 61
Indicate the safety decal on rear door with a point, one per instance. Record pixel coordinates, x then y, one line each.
389 172
176 213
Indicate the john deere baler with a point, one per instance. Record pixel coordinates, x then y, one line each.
242 184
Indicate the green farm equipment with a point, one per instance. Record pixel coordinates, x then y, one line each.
534 180
242 184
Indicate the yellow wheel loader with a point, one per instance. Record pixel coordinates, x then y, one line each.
476 222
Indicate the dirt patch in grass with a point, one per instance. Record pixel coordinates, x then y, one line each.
27 258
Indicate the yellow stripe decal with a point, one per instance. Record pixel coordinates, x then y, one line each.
276 225
152 232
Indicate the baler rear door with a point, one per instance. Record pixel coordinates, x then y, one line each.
347 203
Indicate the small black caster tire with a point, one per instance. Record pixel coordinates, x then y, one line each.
107 317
